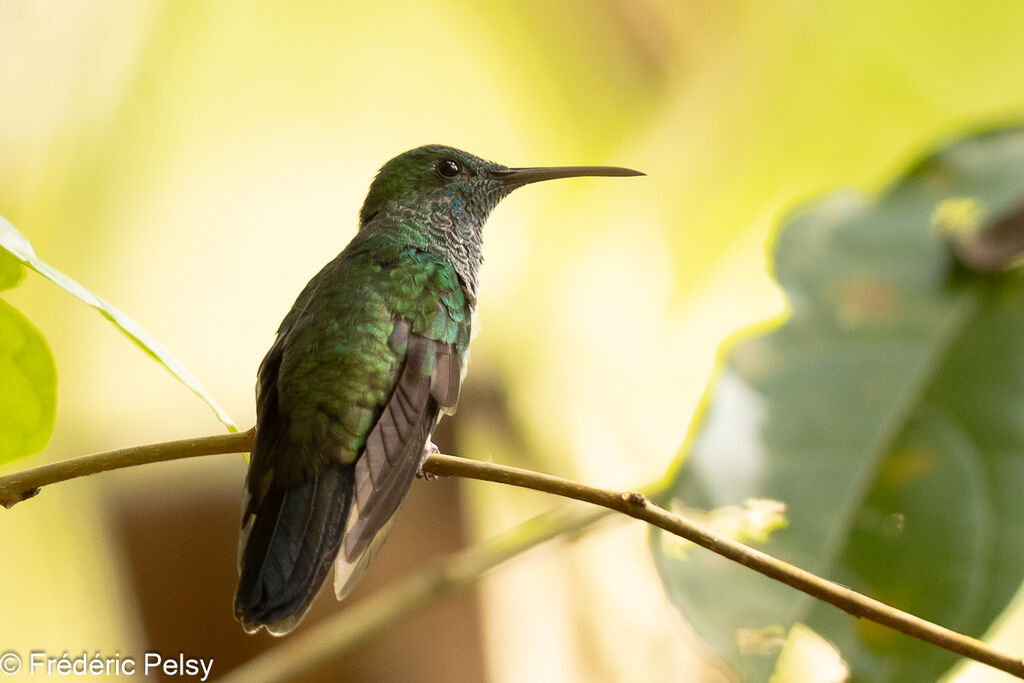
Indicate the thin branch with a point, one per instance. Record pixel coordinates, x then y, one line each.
16 487
299 656
636 505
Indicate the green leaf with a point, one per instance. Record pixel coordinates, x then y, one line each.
28 401
887 413
11 271
16 243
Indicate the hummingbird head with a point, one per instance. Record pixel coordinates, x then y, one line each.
445 195
436 184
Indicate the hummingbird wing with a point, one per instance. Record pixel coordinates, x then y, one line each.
396 447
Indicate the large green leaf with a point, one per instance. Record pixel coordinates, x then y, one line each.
17 244
887 413
28 400
11 270
28 377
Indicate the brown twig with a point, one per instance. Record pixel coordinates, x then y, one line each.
636 505
17 487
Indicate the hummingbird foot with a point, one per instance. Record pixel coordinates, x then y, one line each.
429 449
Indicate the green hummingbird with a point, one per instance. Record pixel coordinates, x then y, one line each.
370 355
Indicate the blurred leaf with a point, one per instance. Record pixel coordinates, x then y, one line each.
887 413
11 271
16 243
28 401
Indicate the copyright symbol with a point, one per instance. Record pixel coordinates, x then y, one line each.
10 663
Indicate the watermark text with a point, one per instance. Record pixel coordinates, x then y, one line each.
41 663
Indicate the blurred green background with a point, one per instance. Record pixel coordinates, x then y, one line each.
196 162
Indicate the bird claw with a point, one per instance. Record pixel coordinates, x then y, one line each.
429 449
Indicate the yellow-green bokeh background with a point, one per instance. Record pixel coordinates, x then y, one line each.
196 162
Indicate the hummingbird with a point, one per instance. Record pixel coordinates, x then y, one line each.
371 354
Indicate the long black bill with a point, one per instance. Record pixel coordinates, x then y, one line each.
522 176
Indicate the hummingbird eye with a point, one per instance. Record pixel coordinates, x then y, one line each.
449 168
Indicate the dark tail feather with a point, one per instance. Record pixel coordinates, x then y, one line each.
289 547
